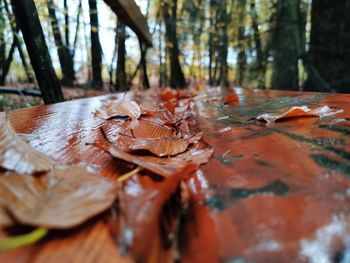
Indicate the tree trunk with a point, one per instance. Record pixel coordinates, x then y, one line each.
111 67
121 81
7 63
143 64
87 47
286 47
77 28
329 54
15 30
28 21
217 66
2 40
96 49
242 56
260 67
223 50
24 63
161 66
66 23
64 55
177 78
211 42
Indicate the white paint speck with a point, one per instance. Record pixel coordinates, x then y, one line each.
319 250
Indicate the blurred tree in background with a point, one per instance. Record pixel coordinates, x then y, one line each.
280 44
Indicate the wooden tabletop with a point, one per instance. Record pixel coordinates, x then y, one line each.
270 193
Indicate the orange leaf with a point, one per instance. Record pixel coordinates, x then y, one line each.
63 198
168 94
230 98
170 105
143 215
303 111
148 113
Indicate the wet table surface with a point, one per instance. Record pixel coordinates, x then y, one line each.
270 193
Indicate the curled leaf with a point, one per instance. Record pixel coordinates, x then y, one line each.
165 146
18 156
303 111
198 154
154 211
122 137
158 139
120 107
64 198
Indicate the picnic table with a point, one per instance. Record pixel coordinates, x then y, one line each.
270 193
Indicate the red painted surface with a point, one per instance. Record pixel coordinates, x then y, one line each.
270 193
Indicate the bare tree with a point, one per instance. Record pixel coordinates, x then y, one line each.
96 49
169 10
287 46
64 54
28 22
328 60
121 82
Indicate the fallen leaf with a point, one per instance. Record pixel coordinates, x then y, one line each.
63 198
170 105
160 140
165 146
18 156
153 212
120 107
230 98
5 218
148 129
147 113
168 94
303 111
121 135
198 154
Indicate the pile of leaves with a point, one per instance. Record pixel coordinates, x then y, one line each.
156 132
159 138
37 191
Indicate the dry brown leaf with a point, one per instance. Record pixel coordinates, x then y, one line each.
198 154
120 107
303 111
158 139
5 218
63 198
165 146
148 129
18 156
153 212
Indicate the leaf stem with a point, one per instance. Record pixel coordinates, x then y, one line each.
128 175
23 240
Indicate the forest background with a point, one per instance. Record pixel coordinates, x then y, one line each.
279 44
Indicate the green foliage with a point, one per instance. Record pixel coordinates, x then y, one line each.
11 102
